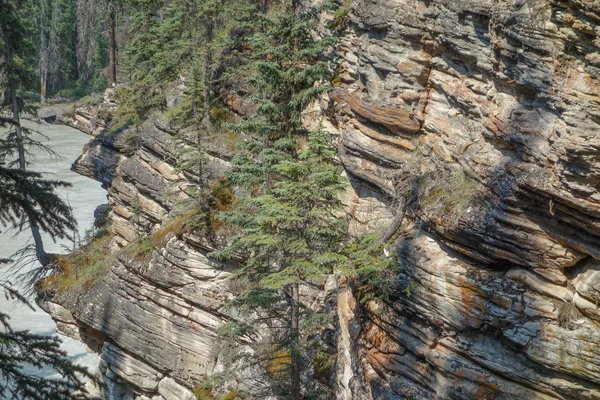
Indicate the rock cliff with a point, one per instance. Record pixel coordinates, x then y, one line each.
480 120
484 116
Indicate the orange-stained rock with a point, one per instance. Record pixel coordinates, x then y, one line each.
395 119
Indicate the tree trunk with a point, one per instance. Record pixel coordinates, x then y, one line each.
295 343
43 82
112 64
75 64
208 77
396 223
40 253
43 53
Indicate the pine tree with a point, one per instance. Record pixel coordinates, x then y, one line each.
27 199
21 348
112 6
17 48
291 235
208 25
290 229
186 44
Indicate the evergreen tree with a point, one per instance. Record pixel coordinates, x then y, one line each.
291 235
207 26
112 6
21 348
182 42
287 64
17 47
27 198
290 229
55 41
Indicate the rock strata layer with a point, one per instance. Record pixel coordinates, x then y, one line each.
496 296
483 116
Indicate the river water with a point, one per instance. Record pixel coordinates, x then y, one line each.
84 196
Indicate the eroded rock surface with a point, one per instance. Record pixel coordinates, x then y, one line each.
484 116
498 299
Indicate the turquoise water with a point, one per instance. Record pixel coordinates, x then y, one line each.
84 196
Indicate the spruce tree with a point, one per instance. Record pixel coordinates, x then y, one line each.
26 199
21 349
292 235
288 212
17 47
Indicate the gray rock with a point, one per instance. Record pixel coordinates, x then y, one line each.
171 390
129 369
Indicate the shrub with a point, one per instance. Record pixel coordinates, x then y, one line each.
99 83
74 92
448 195
204 392
323 364
341 16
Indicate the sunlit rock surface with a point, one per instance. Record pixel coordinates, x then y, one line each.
502 300
485 115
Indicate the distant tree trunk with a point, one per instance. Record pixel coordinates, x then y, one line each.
41 254
74 49
43 83
43 62
112 64
295 342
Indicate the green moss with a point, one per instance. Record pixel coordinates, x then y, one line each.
323 365
279 363
82 269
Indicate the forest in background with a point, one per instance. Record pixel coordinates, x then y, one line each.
71 44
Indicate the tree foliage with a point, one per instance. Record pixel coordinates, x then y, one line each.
21 351
27 200
288 212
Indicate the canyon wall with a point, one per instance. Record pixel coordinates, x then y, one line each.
484 115
480 120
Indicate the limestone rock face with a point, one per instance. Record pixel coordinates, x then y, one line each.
91 118
483 116
497 300
153 317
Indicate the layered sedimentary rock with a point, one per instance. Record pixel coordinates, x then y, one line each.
482 118
496 301
153 317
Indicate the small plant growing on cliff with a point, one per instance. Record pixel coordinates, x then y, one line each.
430 191
448 196
80 270
341 16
